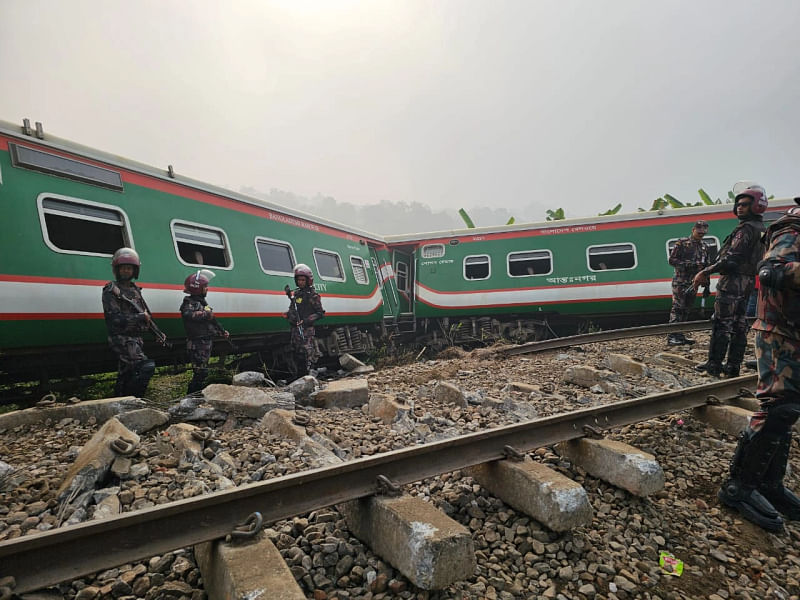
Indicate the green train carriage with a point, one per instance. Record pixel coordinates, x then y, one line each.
66 208
517 281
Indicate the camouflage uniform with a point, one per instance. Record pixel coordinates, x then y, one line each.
307 307
126 324
763 451
201 327
688 257
741 251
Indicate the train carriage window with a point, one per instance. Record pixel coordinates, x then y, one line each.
711 241
60 166
433 251
532 262
359 269
401 276
275 257
329 265
477 267
74 226
611 257
201 245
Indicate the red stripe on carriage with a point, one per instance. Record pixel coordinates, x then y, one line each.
48 316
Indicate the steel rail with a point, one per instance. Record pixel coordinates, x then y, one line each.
606 336
44 559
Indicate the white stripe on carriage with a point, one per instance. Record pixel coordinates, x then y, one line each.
26 297
549 295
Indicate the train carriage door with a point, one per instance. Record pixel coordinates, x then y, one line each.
404 278
384 275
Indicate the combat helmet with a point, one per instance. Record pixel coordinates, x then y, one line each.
125 256
755 192
196 284
302 269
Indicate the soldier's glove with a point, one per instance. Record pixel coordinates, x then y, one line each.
772 275
292 316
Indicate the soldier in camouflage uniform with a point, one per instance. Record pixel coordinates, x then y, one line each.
127 318
201 326
688 256
755 486
740 254
305 310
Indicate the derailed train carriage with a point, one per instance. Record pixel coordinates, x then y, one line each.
66 208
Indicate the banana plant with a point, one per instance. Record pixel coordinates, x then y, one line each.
611 211
467 220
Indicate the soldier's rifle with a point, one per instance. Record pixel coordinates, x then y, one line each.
293 308
223 333
160 336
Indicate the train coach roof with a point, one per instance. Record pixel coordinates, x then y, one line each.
113 160
687 214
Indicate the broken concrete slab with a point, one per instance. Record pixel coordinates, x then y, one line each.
252 403
518 386
626 365
350 362
303 387
249 379
253 570
344 393
617 463
387 408
554 500
109 506
100 410
730 419
195 408
428 547
95 458
670 358
449 393
280 422
585 376
186 446
144 419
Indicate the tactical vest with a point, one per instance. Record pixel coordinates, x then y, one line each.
757 251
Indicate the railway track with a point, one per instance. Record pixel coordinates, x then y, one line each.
606 336
44 559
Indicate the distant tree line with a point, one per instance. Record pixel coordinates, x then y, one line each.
383 217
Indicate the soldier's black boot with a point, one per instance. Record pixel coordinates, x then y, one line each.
301 364
753 454
198 381
735 355
674 340
716 353
772 488
122 387
142 372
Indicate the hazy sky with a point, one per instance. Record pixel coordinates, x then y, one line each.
521 104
